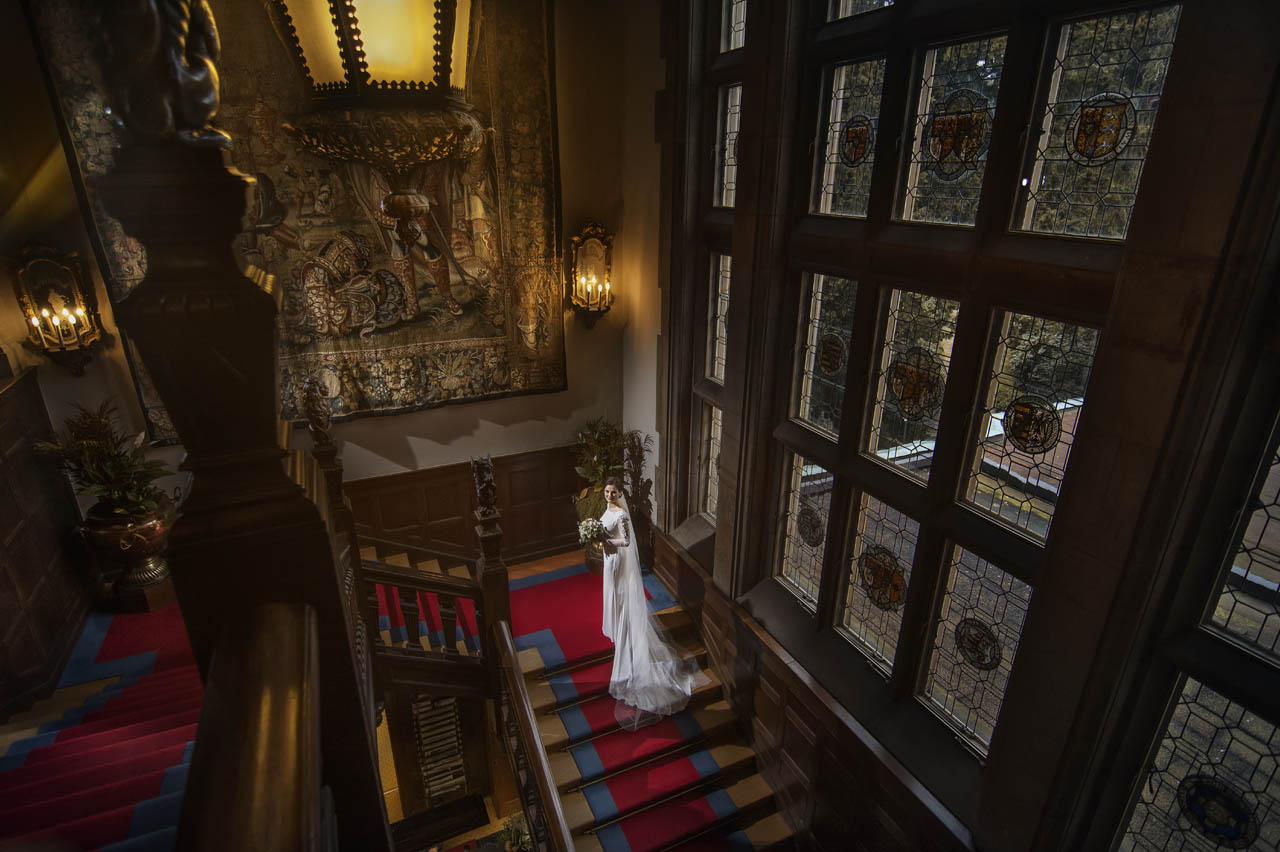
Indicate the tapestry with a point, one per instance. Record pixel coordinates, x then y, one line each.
472 311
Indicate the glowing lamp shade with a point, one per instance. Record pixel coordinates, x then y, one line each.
352 48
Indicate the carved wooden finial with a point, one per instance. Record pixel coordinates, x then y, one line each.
317 411
486 488
159 63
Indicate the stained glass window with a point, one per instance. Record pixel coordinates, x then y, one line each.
1103 92
848 8
710 460
918 334
808 506
876 583
1249 606
1034 398
733 27
727 149
717 314
956 109
848 144
822 361
1214 783
978 629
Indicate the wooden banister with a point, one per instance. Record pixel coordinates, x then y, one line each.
434 553
255 772
408 578
519 733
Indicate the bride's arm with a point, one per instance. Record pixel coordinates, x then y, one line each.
623 538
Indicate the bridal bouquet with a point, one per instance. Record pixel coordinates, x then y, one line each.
590 530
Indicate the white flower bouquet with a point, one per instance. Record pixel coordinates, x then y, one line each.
590 530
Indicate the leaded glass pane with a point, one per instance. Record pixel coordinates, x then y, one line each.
848 145
710 460
727 149
808 506
733 28
1249 606
919 332
717 315
848 8
1103 92
956 109
977 636
1213 783
876 583
1035 395
823 359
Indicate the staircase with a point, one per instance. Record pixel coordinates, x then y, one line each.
687 783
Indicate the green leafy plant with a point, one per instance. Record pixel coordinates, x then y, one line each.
636 447
600 450
106 463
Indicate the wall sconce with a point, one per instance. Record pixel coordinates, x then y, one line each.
56 296
590 290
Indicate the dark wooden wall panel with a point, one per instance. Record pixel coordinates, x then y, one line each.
44 593
835 785
433 507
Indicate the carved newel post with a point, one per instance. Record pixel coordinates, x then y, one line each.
246 535
491 571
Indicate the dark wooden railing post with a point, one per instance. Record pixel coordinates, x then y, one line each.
491 571
246 535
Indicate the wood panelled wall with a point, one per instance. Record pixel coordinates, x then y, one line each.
433 507
836 785
44 593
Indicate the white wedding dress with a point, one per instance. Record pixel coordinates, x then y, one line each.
650 678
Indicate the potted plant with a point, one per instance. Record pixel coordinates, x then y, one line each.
636 447
129 524
600 450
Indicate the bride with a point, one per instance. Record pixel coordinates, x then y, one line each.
650 678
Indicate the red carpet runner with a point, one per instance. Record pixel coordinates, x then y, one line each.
110 773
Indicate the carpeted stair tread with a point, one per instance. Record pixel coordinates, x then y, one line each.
765 834
114 736
581 722
156 709
643 786
86 802
619 750
155 841
127 702
115 825
84 778
58 765
683 817
675 622
564 688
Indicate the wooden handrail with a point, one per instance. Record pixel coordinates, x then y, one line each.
409 578
417 548
255 773
556 828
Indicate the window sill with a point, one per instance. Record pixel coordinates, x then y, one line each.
903 726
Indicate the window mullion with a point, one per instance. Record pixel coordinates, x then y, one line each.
835 555
918 614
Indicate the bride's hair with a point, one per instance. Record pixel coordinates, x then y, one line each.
616 483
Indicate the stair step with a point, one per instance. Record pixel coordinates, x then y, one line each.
126 702
562 689
644 785
115 825
614 752
675 622
86 802
765 835
61 764
595 718
669 822
129 717
86 777
163 840
112 737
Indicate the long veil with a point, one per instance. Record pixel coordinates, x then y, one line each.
652 678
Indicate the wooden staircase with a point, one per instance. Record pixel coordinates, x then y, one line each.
687 783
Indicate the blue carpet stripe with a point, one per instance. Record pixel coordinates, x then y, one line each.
659 597
688 725
20 748
612 838
737 841
548 577
175 779
157 841
384 622
155 814
589 765
721 803
704 763
186 754
545 642
601 802
575 723
563 687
